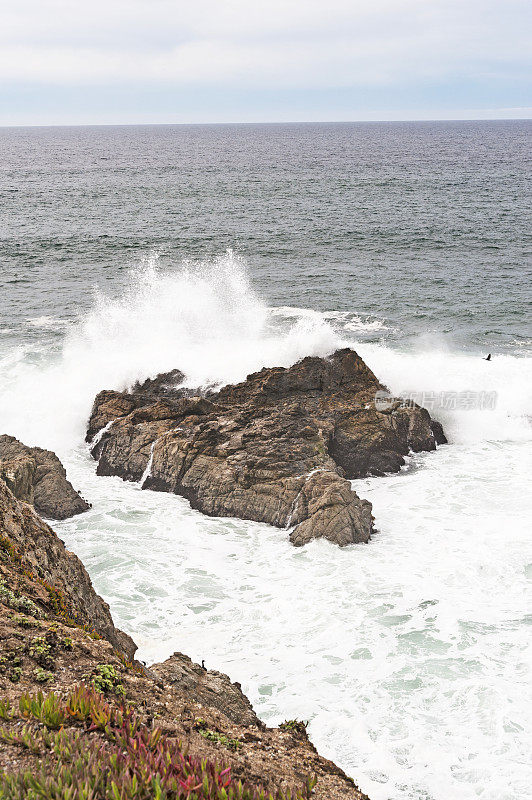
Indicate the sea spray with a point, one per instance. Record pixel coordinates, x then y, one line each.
203 318
442 377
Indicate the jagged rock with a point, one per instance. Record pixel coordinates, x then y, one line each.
326 507
437 430
166 383
59 570
112 405
280 447
19 474
209 687
38 477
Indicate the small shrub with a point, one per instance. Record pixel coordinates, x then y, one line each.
24 622
129 665
10 659
49 710
32 740
17 602
10 665
6 711
295 726
15 674
41 651
106 679
42 675
8 550
220 738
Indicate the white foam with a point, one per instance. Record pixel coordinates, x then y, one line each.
47 323
147 470
348 320
101 433
408 654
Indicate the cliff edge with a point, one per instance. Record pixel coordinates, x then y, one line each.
80 718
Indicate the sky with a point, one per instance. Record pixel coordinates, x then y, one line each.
194 61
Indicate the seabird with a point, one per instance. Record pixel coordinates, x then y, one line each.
488 357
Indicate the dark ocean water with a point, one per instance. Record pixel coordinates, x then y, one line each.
424 225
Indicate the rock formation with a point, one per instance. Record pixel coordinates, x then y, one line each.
210 687
38 477
280 447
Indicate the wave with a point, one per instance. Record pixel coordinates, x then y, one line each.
497 393
206 319
202 317
341 320
47 323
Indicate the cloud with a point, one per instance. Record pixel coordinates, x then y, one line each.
303 43
133 61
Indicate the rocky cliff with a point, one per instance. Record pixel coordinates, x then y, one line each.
55 578
279 448
79 718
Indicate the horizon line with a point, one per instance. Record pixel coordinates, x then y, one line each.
269 122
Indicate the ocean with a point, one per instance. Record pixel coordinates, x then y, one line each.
220 249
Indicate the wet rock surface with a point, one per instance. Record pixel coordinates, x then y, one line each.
279 448
38 477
